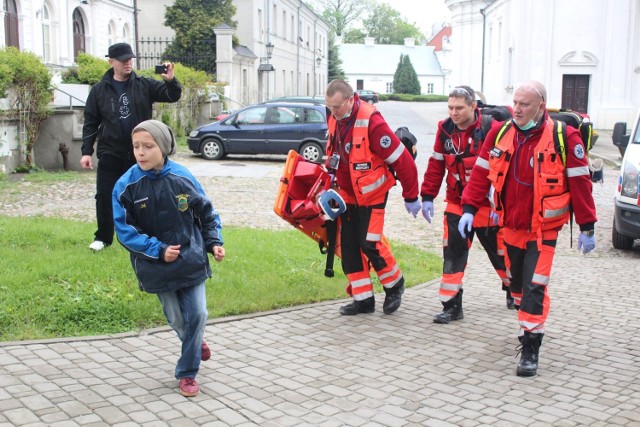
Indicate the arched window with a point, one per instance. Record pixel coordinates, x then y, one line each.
78 34
11 29
46 33
111 33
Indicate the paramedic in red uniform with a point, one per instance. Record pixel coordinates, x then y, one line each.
532 184
456 147
361 151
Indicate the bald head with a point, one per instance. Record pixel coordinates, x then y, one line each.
529 104
535 87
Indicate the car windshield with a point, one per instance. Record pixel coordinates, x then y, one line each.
636 137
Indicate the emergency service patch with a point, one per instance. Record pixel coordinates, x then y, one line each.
531 162
183 202
448 144
361 166
385 141
578 151
347 147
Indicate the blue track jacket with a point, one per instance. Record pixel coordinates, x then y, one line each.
155 209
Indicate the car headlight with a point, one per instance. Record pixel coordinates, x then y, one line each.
193 133
629 186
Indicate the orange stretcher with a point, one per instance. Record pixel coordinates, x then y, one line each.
296 202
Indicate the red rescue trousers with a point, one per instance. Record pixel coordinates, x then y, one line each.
455 249
529 270
362 244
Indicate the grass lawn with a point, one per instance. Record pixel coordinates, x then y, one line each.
52 285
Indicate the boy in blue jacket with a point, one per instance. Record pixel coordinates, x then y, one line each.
167 223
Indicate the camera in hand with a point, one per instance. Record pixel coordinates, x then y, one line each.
161 69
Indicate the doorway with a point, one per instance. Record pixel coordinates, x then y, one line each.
575 92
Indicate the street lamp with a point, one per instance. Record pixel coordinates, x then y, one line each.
269 47
318 60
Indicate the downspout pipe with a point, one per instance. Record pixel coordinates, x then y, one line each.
484 30
298 53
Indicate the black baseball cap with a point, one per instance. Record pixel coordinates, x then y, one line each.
120 52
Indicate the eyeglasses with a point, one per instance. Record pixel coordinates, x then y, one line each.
337 107
460 91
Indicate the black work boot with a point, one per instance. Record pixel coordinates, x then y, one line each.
393 298
452 310
511 303
528 365
356 307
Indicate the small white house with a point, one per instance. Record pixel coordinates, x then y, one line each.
372 66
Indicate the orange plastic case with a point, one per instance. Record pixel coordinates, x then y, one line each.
301 183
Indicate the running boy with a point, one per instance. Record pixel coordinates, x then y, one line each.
168 225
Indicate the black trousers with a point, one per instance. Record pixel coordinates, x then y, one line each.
110 169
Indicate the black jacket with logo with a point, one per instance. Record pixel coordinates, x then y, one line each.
101 113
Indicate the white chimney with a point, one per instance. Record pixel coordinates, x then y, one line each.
409 42
369 41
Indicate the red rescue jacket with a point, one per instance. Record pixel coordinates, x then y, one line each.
528 170
364 176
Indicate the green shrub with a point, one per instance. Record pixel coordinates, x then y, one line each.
181 116
412 98
89 71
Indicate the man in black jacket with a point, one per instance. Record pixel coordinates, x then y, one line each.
116 105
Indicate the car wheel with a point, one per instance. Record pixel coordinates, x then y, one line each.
311 152
620 241
212 149
370 101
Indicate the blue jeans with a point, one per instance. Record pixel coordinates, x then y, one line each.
186 312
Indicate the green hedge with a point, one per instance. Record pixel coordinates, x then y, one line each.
412 98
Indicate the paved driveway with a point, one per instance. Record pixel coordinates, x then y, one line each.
311 366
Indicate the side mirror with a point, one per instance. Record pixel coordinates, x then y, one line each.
619 135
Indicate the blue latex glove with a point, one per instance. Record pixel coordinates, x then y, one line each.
494 217
466 224
585 243
427 211
412 207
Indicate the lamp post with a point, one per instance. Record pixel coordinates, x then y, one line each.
265 66
316 78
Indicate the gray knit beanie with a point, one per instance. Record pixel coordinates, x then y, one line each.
161 133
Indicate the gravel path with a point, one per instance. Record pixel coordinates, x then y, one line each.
248 201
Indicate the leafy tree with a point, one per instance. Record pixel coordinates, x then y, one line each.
355 36
335 63
387 26
405 79
193 22
340 13
26 83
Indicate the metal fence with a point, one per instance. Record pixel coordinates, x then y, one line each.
153 50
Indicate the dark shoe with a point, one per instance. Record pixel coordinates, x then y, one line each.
189 387
452 310
393 299
530 347
356 307
205 354
511 304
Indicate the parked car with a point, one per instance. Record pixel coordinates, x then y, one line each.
267 128
311 99
368 95
626 218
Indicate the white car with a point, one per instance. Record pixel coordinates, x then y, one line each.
626 219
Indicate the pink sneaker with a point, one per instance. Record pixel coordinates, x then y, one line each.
189 387
206 353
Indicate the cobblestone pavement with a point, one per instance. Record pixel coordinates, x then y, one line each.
310 366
